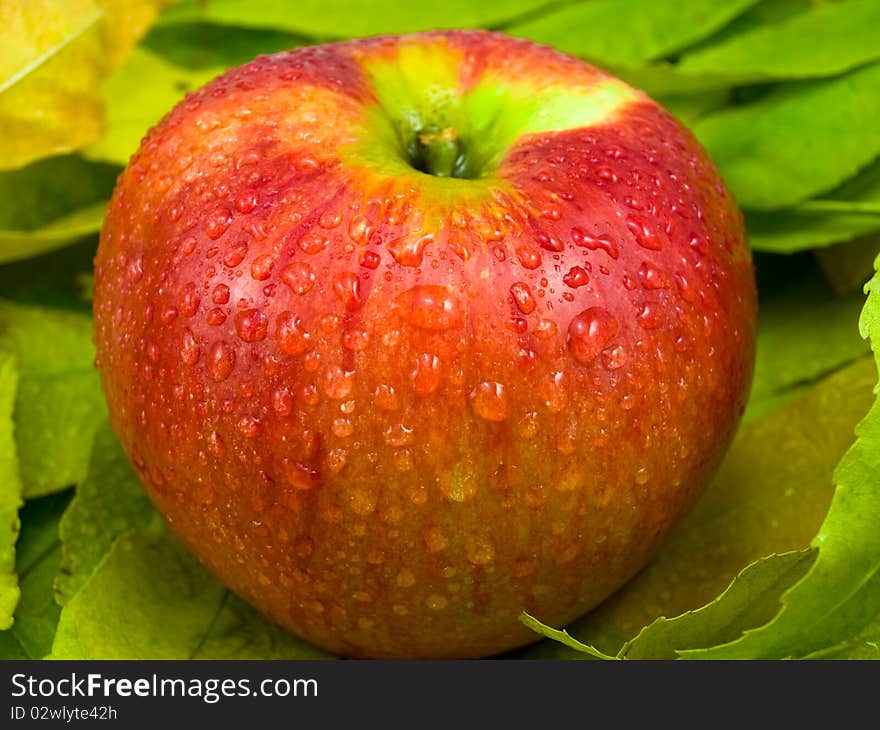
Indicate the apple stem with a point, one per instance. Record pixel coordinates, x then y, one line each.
438 152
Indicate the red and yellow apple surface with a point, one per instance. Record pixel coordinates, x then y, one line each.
407 335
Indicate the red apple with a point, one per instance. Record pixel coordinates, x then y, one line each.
407 335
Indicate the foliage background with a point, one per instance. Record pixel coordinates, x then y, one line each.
779 559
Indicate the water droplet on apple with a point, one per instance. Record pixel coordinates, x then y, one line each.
220 361
650 316
347 287
643 233
523 297
427 374
651 277
220 294
337 383
489 401
292 337
261 267
408 250
595 243
235 254
528 257
189 348
385 397
429 307
299 276
614 357
217 223
589 333
576 277
313 243
251 325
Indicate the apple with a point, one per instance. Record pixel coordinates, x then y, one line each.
407 335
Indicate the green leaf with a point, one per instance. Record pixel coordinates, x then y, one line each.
37 559
10 489
848 266
806 332
151 599
109 502
59 402
778 150
751 599
840 594
15 245
347 18
57 279
208 46
563 637
864 645
824 41
50 204
632 34
137 96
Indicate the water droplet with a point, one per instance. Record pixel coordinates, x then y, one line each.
363 501
135 270
329 219
342 427
299 276
261 267
397 434
282 401
436 602
643 233
409 250
216 317
589 333
291 336
313 243
429 307
337 383
359 229
348 289
235 254
686 288
385 397
355 340
371 260
601 242
427 374
480 552
523 297
250 426
642 476
217 223
245 201
577 276
220 294
614 357
190 301
529 258
650 316
251 325
489 401
435 540
652 278
221 360
189 348
216 445
405 578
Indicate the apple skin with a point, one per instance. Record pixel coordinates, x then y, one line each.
393 410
